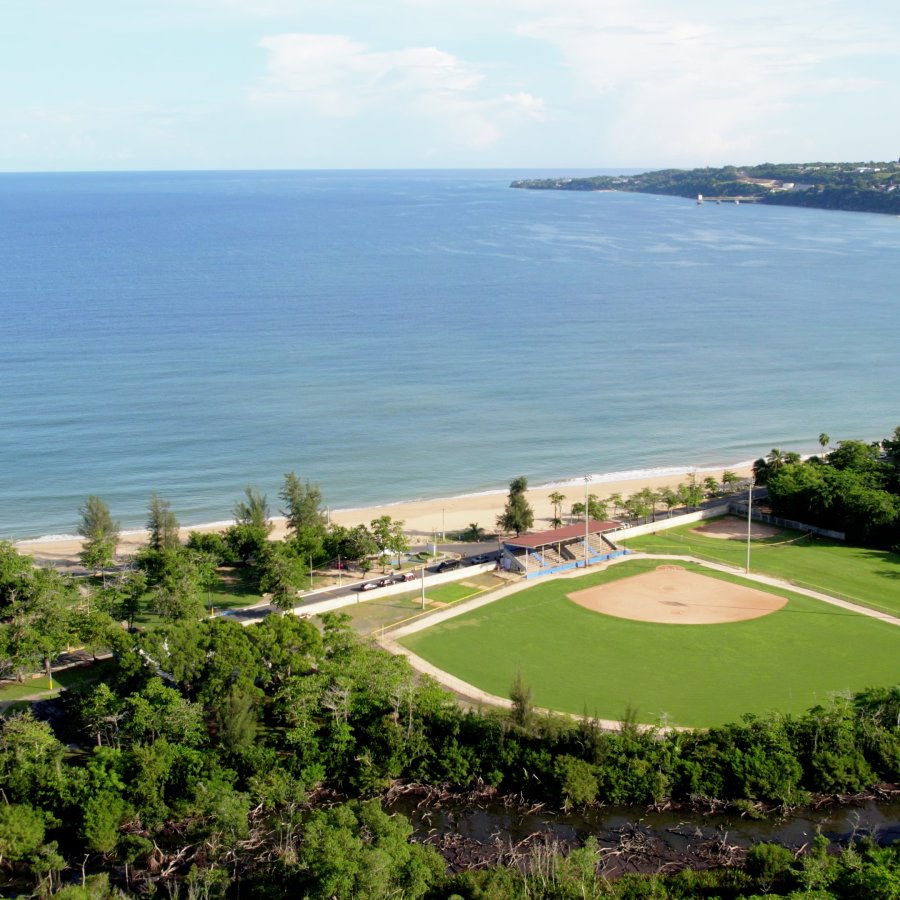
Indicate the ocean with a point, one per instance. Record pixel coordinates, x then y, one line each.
399 335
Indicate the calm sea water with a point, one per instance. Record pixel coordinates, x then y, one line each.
393 335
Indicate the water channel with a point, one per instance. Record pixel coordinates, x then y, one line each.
634 839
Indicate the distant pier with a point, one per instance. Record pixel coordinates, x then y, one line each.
736 200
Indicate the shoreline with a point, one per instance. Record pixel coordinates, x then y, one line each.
422 519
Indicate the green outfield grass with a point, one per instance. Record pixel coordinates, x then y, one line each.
870 577
452 592
576 660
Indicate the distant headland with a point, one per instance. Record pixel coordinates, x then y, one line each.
853 187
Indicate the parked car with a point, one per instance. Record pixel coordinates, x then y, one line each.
481 558
377 583
448 565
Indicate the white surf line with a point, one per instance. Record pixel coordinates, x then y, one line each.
470 692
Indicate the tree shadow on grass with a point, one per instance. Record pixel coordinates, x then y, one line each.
892 570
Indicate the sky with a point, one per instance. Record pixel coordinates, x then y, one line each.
544 84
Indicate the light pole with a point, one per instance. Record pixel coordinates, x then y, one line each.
423 585
749 508
587 481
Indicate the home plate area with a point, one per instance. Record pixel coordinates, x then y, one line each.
672 595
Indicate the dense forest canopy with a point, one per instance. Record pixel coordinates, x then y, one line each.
856 187
854 488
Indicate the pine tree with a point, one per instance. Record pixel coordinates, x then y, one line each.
517 516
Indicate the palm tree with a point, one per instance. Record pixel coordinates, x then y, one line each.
824 441
474 531
556 498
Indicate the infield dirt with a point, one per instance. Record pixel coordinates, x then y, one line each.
674 596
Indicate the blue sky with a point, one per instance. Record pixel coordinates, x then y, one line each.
212 84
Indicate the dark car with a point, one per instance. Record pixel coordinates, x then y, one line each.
448 565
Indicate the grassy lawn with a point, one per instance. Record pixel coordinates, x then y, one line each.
368 616
869 577
73 677
452 592
576 660
236 588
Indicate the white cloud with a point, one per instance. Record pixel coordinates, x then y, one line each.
334 76
699 81
529 104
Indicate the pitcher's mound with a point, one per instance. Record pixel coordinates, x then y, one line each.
674 596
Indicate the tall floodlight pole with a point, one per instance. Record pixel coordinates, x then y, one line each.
749 508
587 481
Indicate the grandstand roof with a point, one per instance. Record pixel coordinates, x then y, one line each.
559 535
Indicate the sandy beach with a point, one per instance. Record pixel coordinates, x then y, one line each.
422 518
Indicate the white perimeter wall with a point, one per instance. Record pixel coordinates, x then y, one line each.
317 607
711 512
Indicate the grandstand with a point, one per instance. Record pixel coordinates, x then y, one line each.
544 552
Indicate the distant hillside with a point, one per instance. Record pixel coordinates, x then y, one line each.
855 187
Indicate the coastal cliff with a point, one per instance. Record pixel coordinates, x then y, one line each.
854 187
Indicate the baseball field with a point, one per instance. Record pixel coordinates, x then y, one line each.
675 644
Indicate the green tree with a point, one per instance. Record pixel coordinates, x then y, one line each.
557 499
31 762
37 623
236 721
303 504
522 706
100 533
691 493
824 441
124 600
729 480
474 532
180 580
577 781
389 537
774 461
670 499
162 524
21 831
102 816
286 646
640 504
597 508
281 575
517 516
159 712
711 486
253 510
357 850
